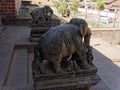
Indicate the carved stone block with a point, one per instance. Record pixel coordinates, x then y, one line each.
36 33
79 79
38 29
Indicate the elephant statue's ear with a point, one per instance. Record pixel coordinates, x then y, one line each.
47 10
80 30
74 21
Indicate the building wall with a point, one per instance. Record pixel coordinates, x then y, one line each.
110 35
9 7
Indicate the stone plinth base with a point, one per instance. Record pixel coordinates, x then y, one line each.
36 33
80 79
40 28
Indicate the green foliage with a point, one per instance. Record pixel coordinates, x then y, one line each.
75 4
56 4
94 0
100 5
63 8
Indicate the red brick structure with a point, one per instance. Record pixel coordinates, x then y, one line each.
10 7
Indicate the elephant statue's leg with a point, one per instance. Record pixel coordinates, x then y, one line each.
34 20
80 53
56 60
35 67
37 61
89 55
68 64
81 59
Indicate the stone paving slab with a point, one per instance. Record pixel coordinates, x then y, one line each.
107 49
2 28
100 86
17 75
108 70
6 51
15 34
8 39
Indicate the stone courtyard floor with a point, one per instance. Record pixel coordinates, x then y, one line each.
15 62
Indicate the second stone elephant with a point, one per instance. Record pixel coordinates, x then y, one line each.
45 13
60 42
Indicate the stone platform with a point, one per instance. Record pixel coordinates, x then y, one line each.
80 79
38 29
15 70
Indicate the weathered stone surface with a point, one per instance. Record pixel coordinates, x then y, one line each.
100 86
6 52
15 34
2 27
42 15
110 35
36 33
17 75
108 71
51 68
39 29
66 81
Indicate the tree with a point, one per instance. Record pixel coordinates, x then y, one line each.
100 5
75 5
63 9
56 4
93 0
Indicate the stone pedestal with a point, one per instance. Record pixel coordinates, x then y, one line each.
77 80
37 31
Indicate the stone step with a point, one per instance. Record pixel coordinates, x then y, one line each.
72 83
36 35
39 29
6 52
36 32
100 86
17 75
34 39
107 70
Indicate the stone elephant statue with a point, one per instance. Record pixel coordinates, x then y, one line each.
85 34
45 13
60 42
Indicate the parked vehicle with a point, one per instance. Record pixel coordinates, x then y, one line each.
105 19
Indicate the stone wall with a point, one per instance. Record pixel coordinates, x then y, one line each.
112 35
9 7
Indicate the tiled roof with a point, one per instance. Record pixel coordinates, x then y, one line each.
116 4
109 1
112 4
26 0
